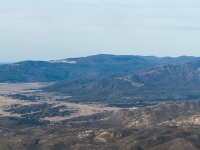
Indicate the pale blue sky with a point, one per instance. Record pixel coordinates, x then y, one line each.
56 29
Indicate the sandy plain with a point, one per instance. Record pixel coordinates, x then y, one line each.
34 89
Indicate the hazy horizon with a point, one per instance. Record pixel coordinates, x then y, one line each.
52 30
6 62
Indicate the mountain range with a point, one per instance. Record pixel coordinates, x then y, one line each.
169 87
172 82
117 80
81 68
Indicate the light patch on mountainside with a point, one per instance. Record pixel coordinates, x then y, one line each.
62 61
193 120
133 83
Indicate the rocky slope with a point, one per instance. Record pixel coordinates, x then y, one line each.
184 114
140 129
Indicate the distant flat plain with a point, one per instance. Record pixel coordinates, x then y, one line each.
28 89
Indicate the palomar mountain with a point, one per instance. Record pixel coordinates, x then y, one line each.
81 68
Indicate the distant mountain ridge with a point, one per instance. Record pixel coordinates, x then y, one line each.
173 82
81 68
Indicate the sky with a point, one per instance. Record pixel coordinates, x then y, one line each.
57 29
